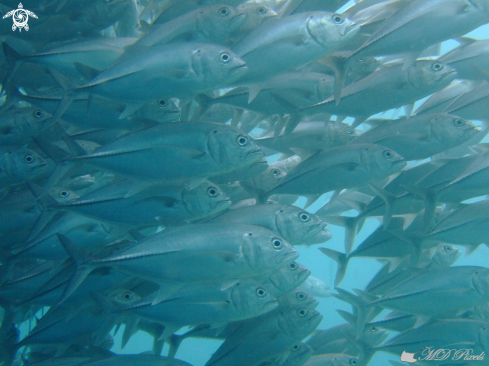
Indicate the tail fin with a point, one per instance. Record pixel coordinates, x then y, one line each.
83 262
342 262
68 95
174 341
14 61
349 223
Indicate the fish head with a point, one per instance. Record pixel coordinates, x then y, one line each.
205 199
452 130
431 74
446 255
63 195
331 29
269 178
161 110
24 164
373 335
298 298
363 65
231 149
263 250
104 13
217 65
301 227
124 297
299 354
254 15
30 120
250 299
342 132
289 277
480 281
219 20
298 322
381 161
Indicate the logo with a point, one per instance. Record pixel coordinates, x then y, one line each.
442 354
20 17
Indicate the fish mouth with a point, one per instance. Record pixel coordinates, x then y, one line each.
241 67
399 162
313 304
271 304
287 258
238 16
222 204
448 74
354 27
302 276
254 152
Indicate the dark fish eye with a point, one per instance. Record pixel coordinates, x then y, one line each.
225 57
296 347
262 10
275 172
293 266
361 59
353 361
224 12
64 194
162 103
459 122
373 329
304 217
29 159
388 154
300 296
277 243
302 312
261 293
127 296
38 114
447 248
212 191
338 19
437 66
242 140
349 131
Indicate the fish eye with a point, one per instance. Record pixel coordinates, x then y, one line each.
300 296
361 59
213 192
388 154
447 248
349 130
338 19
127 296
38 114
373 329
261 293
224 12
277 243
162 103
302 312
304 217
459 122
29 159
353 361
437 66
242 140
293 266
225 57
296 347
64 194
275 172
262 10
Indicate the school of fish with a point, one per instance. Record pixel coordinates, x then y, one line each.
163 161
